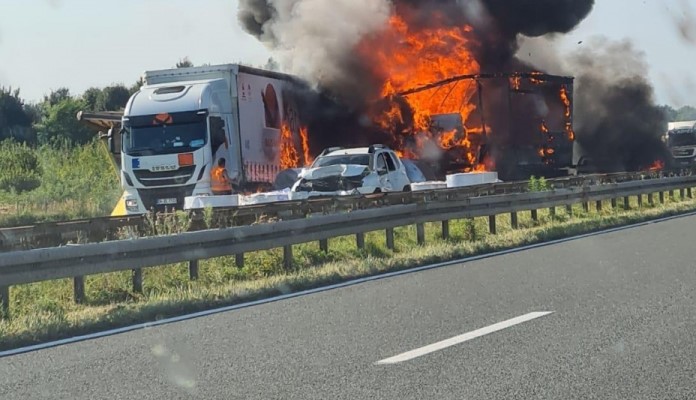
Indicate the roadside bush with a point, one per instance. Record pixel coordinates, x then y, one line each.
19 167
539 184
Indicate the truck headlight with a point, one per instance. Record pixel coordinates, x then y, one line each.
131 204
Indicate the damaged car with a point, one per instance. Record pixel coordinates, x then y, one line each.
362 170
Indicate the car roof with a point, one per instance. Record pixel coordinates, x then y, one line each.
344 152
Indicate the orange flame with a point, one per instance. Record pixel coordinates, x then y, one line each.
658 165
569 124
305 146
288 153
407 58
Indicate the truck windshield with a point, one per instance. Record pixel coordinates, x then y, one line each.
682 138
178 134
355 159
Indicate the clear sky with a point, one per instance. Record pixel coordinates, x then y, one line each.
47 44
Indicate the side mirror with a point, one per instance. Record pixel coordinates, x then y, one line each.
111 142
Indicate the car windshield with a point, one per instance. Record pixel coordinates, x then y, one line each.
164 139
682 138
352 159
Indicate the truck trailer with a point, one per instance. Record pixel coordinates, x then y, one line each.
182 121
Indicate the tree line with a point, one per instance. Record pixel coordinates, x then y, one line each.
54 118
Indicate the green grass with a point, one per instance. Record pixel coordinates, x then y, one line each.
45 311
74 182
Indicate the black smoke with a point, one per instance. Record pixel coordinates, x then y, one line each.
618 123
317 40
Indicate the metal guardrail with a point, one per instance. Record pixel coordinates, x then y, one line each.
94 230
75 262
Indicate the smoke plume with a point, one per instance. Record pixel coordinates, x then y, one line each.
325 41
616 118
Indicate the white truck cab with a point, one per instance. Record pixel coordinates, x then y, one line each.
361 170
182 122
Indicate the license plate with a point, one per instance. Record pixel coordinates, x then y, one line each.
165 202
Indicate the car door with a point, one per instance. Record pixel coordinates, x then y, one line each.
397 176
383 172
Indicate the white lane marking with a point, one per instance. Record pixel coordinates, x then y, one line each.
116 331
431 348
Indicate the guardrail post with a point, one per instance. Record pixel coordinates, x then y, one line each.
535 215
662 197
552 213
287 257
613 204
79 289
324 245
627 203
4 302
513 220
651 200
491 225
586 206
671 195
193 270
360 240
682 196
599 205
569 210
689 193
239 260
138 280
390 238
640 201
445 230
420 234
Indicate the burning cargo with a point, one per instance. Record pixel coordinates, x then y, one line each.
515 123
436 80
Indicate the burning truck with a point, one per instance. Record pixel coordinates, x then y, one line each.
437 81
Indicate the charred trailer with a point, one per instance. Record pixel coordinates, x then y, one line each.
527 119
518 124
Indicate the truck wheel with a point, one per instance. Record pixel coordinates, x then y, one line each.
406 188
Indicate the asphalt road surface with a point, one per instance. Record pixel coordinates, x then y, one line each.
611 316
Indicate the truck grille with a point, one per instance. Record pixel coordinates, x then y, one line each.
150 197
683 152
164 178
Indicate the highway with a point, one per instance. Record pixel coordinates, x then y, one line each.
610 316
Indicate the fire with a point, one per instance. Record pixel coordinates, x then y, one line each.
305 146
658 165
289 153
289 158
566 102
407 58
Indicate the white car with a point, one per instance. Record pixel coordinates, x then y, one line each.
363 170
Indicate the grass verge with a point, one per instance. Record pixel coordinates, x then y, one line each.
45 311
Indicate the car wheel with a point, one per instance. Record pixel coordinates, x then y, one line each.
407 188
377 191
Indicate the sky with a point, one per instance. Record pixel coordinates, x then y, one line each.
48 44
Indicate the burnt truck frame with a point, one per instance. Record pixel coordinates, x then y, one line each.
527 121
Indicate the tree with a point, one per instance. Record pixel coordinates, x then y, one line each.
57 96
60 123
90 97
136 86
686 113
112 98
184 63
15 120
